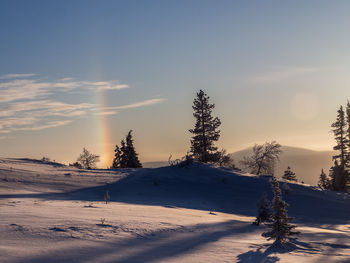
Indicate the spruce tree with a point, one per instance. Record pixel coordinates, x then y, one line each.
131 155
348 133
340 134
289 175
337 174
205 132
347 163
117 157
125 155
264 211
323 181
281 229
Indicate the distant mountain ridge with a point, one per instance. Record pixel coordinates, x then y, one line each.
306 163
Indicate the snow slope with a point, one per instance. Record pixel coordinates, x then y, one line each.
201 213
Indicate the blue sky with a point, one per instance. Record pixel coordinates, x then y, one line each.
275 69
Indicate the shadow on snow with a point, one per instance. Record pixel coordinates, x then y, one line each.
205 187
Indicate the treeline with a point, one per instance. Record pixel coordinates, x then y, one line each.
339 173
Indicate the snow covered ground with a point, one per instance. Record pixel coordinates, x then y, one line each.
53 213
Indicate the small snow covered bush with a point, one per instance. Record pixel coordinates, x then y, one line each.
185 161
107 197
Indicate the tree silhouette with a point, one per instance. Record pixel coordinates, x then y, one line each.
125 155
341 137
263 158
88 160
264 211
340 171
205 132
281 230
323 181
289 175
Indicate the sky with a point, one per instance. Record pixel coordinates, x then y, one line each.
77 74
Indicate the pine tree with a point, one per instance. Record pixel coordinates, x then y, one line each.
289 175
347 164
337 174
281 229
131 155
205 132
117 157
323 181
348 132
340 134
264 211
125 155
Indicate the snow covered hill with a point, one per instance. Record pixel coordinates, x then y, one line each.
200 213
205 187
306 163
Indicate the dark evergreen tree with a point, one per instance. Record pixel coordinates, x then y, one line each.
337 174
289 175
340 134
131 155
348 132
281 229
205 132
347 164
117 158
264 211
125 155
323 181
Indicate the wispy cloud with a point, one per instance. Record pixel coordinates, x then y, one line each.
44 108
50 124
113 87
26 89
114 109
30 104
281 74
139 104
106 113
12 76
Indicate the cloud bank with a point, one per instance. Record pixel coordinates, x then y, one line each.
28 103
